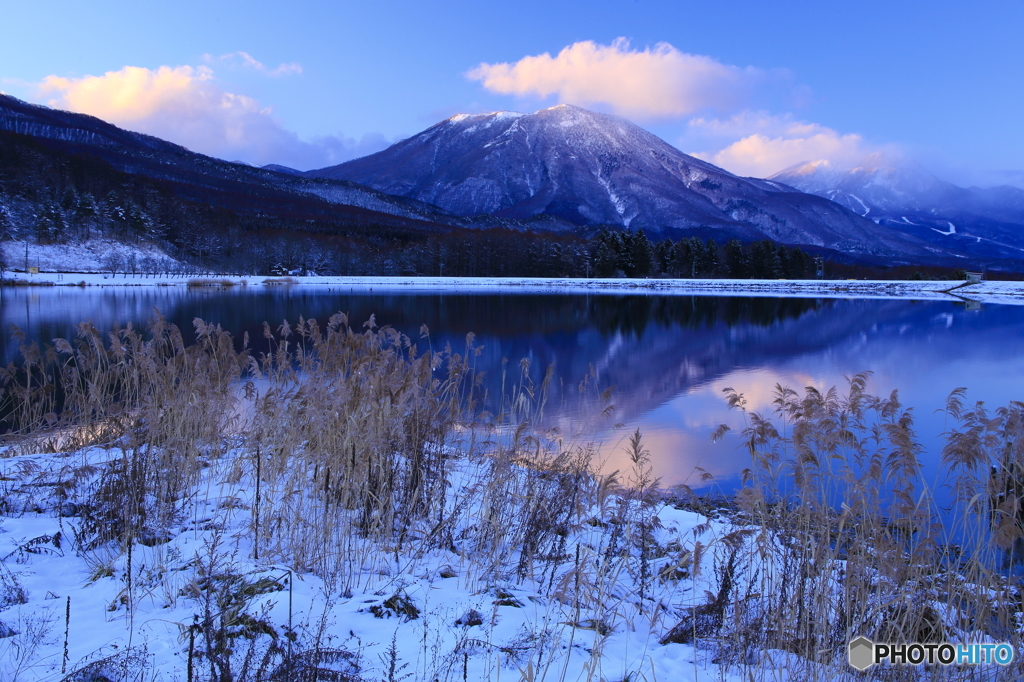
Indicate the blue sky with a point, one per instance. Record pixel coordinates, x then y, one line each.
753 86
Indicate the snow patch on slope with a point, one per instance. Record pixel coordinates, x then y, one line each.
87 256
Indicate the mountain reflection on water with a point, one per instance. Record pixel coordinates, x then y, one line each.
667 357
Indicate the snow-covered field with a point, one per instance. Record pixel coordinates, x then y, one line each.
91 256
88 263
438 616
343 515
1011 293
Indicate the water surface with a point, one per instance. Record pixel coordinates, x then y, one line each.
667 357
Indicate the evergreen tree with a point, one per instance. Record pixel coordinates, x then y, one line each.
736 260
68 200
764 261
622 242
664 258
85 213
50 227
641 255
686 254
604 255
709 259
799 264
6 224
6 234
138 223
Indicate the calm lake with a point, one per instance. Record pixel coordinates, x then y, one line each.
667 357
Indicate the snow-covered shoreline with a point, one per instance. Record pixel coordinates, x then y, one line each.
1011 293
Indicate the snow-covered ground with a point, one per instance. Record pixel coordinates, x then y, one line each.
70 606
1011 293
89 263
511 567
93 256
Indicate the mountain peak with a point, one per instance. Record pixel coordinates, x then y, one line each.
589 168
564 109
883 180
805 168
559 111
498 115
876 161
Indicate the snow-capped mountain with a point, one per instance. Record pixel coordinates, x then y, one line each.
878 183
590 169
902 195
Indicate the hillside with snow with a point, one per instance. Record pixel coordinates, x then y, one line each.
902 195
589 169
546 182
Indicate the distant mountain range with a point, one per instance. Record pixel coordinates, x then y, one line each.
901 195
566 169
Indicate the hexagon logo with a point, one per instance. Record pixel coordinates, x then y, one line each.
862 653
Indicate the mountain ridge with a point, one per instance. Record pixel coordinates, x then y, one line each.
141 154
559 170
900 194
589 169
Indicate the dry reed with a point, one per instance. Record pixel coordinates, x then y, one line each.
367 456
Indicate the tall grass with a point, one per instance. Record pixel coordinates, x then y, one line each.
165 404
842 538
350 454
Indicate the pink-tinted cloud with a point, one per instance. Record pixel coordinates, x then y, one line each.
662 82
185 104
759 144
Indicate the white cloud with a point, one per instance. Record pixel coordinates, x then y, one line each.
748 122
662 82
138 95
665 83
184 104
767 143
246 60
